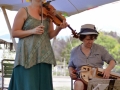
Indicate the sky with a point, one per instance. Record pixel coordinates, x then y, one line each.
105 18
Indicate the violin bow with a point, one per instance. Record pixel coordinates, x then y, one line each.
41 11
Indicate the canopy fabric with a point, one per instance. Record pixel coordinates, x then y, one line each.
71 7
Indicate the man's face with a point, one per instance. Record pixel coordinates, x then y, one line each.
88 41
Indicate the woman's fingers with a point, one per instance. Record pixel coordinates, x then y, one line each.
41 26
63 24
39 29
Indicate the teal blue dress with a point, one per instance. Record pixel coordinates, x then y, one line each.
34 59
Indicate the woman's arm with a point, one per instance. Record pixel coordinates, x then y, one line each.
52 32
18 24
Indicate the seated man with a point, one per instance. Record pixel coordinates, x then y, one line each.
89 53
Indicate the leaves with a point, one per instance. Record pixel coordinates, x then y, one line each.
62 48
58 45
111 44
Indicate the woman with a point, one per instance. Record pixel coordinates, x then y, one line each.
89 53
34 56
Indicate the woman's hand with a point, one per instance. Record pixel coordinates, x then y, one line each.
38 30
63 25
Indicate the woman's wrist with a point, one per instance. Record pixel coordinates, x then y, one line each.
31 31
58 28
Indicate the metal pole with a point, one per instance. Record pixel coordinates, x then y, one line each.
71 84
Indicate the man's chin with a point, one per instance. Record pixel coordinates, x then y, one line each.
89 46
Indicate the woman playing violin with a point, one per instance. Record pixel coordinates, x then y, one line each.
34 56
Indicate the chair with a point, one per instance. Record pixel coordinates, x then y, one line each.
7 68
72 84
104 84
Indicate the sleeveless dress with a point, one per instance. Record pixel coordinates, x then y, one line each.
34 59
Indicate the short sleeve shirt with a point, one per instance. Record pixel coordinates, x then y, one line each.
98 55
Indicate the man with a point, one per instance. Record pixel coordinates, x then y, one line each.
89 53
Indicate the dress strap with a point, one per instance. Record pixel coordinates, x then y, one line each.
26 11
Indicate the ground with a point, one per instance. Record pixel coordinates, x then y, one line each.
59 82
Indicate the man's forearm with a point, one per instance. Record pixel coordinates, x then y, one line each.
111 65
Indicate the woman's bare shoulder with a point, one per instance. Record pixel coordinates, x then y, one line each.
22 12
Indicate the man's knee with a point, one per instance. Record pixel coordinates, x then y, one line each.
79 84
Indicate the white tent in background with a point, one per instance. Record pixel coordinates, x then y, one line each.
70 7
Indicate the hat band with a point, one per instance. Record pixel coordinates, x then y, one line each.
86 30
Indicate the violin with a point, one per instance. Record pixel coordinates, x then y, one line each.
57 18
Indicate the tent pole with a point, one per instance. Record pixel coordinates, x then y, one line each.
9 27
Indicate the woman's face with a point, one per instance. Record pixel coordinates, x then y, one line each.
88 41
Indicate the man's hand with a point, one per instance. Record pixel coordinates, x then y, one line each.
73 74
106 73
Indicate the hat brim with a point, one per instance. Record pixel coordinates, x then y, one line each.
87 33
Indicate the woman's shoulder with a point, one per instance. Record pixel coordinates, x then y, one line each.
22 12
23 9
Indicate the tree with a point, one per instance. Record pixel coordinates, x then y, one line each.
71 43
109 42
58 45
116 53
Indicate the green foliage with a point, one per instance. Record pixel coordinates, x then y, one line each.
111 44
71 43
109 40
65 15
116 53
117 69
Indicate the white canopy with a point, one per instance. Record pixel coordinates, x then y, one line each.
71 7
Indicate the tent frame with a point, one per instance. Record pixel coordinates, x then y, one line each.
9 26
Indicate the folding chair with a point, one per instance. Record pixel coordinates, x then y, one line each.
72 84
7 68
